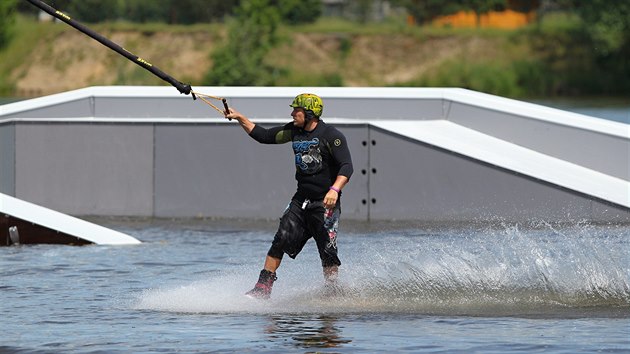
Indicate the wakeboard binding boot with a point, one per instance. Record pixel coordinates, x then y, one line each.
262 289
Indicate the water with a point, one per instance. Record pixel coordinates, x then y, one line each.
414 289
615 109
7 100
407 288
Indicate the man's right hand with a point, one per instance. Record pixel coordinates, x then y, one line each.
242 120
232 114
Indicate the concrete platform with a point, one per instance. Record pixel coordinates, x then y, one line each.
426 154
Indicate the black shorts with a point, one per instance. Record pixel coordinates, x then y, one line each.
303 220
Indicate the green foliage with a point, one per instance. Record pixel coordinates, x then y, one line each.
7 18
145 11
489 77
141 11
251 35
197 11
480 7
534 78
92 11
345 46
584 52
607 25
62 5
299 78
424 11
297 12
362 9
563 56
26 35
293 12
340 25
581 51
608 22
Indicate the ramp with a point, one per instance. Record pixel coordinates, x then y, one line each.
500 153
26 223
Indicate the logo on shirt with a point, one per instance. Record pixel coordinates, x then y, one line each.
308 157
337 142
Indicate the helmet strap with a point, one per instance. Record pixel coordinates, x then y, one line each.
309 115
308 118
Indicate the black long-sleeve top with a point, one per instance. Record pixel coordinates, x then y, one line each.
320 155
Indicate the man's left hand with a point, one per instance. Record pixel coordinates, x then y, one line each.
330 200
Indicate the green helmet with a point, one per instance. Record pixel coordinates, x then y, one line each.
309 102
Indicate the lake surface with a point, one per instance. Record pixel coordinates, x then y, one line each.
616 109
7 100
407 289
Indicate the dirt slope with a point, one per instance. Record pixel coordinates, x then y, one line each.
72 60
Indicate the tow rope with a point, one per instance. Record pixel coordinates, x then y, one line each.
181 87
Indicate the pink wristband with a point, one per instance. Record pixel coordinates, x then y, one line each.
335 189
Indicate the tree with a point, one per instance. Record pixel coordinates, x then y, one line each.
607 21
177 11
93 11
199 11
608 24
145 11
362 9
589 56
164 11
251 35
424 11
480 7
300 11
61 5
7 17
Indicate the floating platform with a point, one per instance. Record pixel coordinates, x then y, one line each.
26 223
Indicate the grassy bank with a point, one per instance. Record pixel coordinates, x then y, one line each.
25 36
551 58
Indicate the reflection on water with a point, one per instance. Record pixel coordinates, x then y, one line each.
306 331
